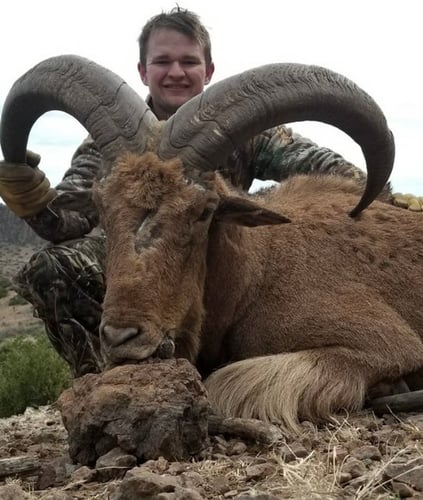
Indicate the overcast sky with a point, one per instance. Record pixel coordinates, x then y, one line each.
376 43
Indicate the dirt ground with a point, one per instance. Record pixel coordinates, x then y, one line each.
355 457
16 319
362 457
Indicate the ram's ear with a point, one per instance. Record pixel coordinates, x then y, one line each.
245 212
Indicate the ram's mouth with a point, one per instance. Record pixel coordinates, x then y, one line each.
121 345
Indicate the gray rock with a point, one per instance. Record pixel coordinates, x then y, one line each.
157 408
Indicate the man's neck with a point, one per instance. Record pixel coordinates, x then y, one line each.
160 114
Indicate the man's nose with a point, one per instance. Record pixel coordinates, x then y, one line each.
176 70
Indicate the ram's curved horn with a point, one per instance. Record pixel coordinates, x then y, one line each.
205 130
115 116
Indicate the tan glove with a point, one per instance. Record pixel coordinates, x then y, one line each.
408 201
24 188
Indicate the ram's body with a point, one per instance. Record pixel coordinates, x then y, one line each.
308 316
330 305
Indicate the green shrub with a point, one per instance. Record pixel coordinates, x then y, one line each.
4 286
17 300
4 282
31 374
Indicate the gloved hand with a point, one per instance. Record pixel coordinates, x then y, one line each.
24 188
409 201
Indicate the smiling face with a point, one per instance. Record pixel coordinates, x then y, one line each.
175 70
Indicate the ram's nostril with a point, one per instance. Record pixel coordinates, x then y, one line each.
117 336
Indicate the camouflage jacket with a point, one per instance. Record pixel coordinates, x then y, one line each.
275 154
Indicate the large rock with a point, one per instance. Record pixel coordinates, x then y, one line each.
157 408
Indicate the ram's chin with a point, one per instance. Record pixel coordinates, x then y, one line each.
128 354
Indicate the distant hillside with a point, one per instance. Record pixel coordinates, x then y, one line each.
15 231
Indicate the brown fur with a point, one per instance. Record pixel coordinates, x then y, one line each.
288 321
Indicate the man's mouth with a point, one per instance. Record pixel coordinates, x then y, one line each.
176 87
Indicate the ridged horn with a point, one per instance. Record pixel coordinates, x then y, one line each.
206 129
112 112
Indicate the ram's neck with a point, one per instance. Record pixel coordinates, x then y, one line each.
234 271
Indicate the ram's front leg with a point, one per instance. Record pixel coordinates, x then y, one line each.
318 382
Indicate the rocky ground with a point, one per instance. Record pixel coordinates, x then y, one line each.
362 457
356 457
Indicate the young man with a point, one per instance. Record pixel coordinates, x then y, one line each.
174 65
65 283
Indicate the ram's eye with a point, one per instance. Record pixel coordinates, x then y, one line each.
205 214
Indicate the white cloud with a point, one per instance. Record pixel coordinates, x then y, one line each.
376 44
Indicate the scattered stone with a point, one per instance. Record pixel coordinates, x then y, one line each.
410 473
160 465
354 467
83 475
343 477
299 450
353 444
293 451
220 444
236 448
339 454
54 473
259 471
141 483
402 490
191 479
388 436
220 485
46 477
367 453
175 468
307 443
360 481
114 464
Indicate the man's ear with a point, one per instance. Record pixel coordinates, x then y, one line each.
244 212
209 73
142 70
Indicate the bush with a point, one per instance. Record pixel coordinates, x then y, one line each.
17 300
4 282
4 286
31 374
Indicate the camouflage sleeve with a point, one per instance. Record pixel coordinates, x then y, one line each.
58 224
279 153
